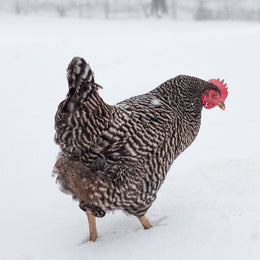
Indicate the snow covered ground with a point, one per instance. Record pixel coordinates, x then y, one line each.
209 205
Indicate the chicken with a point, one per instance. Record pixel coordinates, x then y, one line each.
117 157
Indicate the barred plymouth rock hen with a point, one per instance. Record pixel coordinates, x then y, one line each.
117 157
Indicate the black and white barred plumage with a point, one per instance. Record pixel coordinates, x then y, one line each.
117 157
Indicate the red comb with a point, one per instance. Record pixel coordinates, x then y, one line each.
222 87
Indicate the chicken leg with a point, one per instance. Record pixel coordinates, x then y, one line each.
92 227
145 222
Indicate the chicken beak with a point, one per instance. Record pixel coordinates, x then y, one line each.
222 105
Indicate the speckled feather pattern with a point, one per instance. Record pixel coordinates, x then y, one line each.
117 157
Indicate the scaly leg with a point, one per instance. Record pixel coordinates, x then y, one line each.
92 227
145 222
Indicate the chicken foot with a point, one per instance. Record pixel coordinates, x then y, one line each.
145 222
92 227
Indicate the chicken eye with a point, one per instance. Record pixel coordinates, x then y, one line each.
213 94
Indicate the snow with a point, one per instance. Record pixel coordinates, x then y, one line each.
208 207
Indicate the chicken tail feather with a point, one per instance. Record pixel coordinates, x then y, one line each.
80 76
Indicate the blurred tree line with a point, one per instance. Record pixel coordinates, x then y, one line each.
176 9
